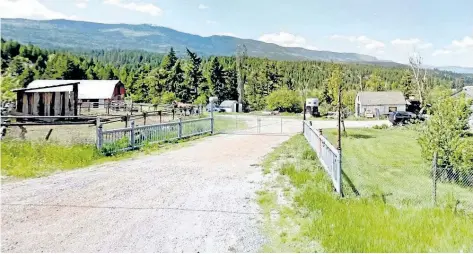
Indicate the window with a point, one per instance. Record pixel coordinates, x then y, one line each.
392 109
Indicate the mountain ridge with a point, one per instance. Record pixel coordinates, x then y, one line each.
61 33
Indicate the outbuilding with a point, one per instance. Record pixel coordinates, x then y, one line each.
379 103
229 106
61 97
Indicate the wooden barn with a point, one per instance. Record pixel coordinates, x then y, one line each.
63 97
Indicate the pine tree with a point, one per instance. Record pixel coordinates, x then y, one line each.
194 78
217 80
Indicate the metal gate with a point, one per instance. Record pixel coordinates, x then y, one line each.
251 124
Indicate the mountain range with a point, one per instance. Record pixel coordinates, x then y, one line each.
88 35
82 35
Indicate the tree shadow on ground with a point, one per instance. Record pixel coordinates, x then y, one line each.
360 136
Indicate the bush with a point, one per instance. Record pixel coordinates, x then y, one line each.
284 100
115 147
381 127
168 97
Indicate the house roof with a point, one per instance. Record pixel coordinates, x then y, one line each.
227 103
88 89
382 98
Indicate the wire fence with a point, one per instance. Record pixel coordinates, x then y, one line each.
328 155
124 139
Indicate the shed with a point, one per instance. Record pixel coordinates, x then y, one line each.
379 103
229 105
56 97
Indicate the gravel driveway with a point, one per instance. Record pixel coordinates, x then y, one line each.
200 198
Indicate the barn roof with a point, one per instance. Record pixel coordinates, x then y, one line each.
88 89
382 98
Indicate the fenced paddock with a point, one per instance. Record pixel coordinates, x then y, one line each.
328 155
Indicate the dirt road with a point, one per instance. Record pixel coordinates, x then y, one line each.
200 198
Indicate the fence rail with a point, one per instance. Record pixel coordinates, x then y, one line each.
124 139
328 155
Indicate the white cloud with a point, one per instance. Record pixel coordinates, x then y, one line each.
466 42
27 9
413 42
203 6
211 22
81 3
287 40
227 34
441 52
148 8
362 40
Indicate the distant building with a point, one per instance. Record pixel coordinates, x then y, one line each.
379 103
229 106
56 97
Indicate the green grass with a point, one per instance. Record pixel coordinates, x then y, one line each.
23 159
319 220
389 162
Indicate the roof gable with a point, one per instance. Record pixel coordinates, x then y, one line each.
382 98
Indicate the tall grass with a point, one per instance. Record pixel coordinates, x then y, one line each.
30 159
355 224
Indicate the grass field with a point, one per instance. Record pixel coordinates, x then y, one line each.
32 159
303 214
389 162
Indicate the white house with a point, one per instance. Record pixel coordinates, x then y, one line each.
379 103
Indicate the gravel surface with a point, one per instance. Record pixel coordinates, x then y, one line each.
200 198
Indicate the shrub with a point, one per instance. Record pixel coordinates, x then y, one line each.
284 100
168 97
381 127
115 147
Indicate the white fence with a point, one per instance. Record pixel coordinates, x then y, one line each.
328 155
124 139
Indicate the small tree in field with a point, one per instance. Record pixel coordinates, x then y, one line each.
284 100
445 133
168 97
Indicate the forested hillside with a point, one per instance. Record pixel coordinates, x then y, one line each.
74 35
158 78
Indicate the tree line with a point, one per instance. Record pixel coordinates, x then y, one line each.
157 78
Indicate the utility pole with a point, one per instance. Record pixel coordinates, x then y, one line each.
339 141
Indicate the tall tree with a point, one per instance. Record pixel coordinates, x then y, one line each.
194 77
217 80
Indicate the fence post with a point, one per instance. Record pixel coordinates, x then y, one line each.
132 138
339 172
144 117
434 179
179 129
99 137
211 118
126 121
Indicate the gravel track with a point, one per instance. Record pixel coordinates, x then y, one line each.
199 198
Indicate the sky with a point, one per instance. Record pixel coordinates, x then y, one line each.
439 31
